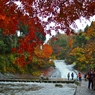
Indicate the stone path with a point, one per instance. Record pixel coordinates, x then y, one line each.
83 90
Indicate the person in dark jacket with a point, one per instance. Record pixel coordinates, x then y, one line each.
94 80
68 75
72 75
90 79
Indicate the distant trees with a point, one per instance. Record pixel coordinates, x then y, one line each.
27 19
60 45
77 48
83 51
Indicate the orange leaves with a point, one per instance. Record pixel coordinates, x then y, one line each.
47 50
91 30
38 52
30 58
8 24
20 61
82 58
8 17
27 45
71 42
90 49
2 17
43 51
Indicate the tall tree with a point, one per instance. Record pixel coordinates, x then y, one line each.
62 12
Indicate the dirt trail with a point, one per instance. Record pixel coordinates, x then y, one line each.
83 89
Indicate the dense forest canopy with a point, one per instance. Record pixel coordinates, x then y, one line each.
29 19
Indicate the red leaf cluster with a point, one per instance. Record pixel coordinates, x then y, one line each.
61 12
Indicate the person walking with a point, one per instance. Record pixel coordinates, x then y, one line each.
79 76
72 75
90 79
68 75
41 77
85 76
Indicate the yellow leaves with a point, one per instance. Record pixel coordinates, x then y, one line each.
87 38
82 58
77 51
84 55
36 73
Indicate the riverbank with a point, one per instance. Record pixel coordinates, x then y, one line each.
48 72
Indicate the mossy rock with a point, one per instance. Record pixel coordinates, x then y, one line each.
77 83
58 85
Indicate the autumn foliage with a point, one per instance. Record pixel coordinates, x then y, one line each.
62 12
43 51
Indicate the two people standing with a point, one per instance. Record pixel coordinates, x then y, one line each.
72 76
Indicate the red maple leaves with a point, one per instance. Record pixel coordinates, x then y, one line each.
63 13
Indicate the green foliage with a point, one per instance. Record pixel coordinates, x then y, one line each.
80 40
23 29
7 58
40 36
81 50
60 46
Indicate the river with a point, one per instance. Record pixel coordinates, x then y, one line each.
33 88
